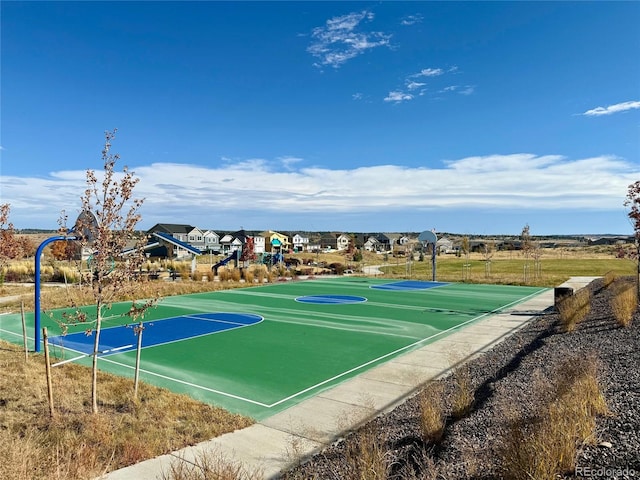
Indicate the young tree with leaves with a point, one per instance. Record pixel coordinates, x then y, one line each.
107 228
633 202
10 245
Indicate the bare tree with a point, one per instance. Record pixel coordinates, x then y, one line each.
487 253
466 249
107 228
526 245
633 202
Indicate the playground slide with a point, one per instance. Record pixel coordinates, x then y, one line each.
225 260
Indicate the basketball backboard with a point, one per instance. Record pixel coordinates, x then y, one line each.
86 226
428 237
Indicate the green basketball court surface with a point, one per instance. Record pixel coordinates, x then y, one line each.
259 350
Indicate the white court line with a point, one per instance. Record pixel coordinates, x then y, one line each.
190 384
14 333
195 317
400 350
88 354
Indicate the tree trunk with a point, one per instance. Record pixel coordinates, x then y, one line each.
94 366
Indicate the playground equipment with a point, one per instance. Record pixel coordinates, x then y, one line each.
235 256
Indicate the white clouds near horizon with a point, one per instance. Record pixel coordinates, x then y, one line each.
499 182
611 109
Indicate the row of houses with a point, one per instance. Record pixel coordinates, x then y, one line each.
210 241
187 239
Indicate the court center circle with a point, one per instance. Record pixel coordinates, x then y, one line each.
331 299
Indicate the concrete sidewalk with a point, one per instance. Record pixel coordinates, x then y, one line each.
274 444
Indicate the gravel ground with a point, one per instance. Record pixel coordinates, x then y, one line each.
508 380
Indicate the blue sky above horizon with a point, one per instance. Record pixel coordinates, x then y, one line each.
466 117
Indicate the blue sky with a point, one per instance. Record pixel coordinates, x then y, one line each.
474 118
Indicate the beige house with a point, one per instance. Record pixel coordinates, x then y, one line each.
275 241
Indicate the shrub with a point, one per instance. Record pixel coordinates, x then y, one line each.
262 274
235 274
608 278
224 274
209 466
574 308
367 456
65 275
431 401
463 395
547 445
624 304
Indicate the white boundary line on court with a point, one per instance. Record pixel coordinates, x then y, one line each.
189 384
401 349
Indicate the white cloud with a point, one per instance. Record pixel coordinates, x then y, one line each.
289 162
468 90
611 109
429 72
411 20
339 40
398 97
177 192
411 85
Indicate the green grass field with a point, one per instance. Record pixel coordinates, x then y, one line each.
513 271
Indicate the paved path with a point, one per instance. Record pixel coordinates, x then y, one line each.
275 443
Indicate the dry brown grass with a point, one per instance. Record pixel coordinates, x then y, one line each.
574 308
462 397
546 446
210 466
432 415
624 303
609 278
76 444
367 456
60 296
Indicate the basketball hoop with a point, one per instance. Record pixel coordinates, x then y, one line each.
85 227
429 237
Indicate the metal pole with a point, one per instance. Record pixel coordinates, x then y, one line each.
36 312
433 261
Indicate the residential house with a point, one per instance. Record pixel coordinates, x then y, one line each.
315 242
211 241
196 238
276 242
371 244
176 230
259 244
445 245
299 242
172 240
334 241
233 241
384 243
